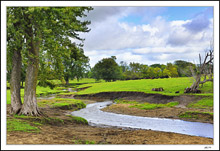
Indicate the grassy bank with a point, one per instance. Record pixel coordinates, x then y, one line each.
206 102
62 103
145 106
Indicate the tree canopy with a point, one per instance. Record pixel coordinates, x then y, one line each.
107 69
36 33
76 64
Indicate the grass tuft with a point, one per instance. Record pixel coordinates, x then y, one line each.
206 102
18 125
124 101
79 141
150 106
78 120
195 114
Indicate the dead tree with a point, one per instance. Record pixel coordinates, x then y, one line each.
203 73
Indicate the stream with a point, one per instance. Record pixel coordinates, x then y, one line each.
96 117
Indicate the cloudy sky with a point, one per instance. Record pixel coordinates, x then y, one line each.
148 35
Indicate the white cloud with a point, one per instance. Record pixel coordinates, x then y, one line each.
157 41
150 29
178 23
129 57
168 49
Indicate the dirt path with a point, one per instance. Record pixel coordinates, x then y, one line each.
68 134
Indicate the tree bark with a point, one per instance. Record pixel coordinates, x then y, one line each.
30 100
15 82
204 69
67 81
29 106
195 85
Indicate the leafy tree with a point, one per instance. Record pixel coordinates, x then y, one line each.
150 72
155 65
124 66
172 69
107 69
144 69
183 68
40 29
15 40
166 72
75 65
163 67
157 72
46 72
134 71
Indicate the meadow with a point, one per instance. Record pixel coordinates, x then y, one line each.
170 86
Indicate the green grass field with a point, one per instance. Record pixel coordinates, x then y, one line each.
170 86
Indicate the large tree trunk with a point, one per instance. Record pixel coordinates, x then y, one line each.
29 106
204 69
195 85
30 100
15 82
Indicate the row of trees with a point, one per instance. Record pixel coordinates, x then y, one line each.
39 48
109 70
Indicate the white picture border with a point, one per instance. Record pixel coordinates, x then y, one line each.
215 4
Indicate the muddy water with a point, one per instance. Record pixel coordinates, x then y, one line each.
96 117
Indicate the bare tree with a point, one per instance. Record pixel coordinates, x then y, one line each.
203 73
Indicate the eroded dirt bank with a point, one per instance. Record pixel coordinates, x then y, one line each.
139 96
68 133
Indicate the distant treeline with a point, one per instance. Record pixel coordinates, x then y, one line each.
109 70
